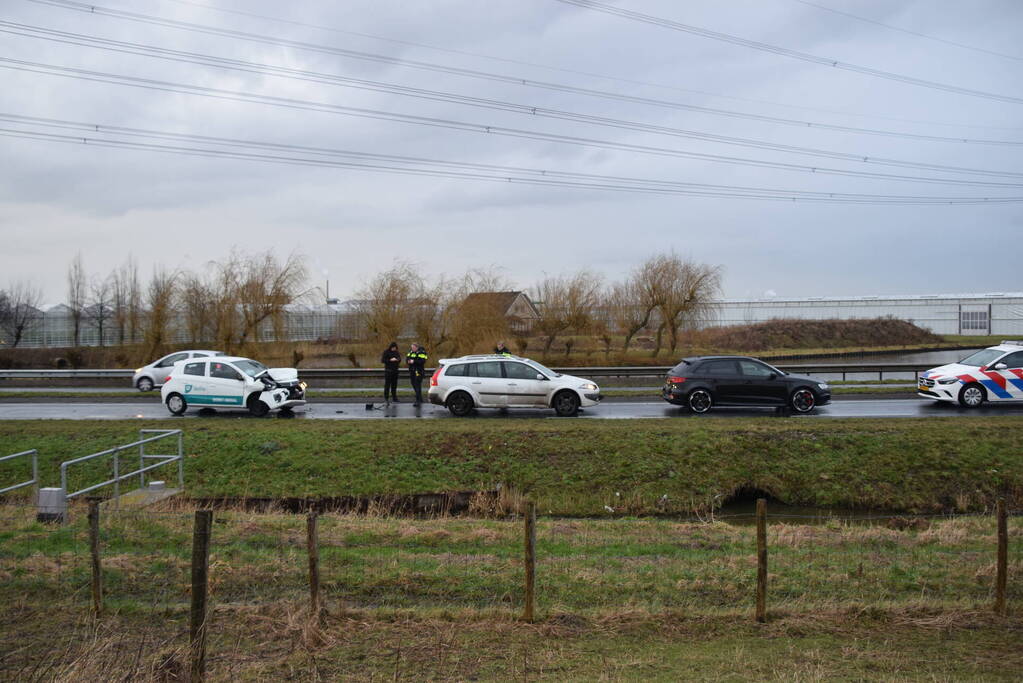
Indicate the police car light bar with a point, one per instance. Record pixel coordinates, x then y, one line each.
1010 342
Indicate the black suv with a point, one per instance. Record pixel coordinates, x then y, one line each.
705 381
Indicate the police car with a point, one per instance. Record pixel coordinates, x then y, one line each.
232 382
994 374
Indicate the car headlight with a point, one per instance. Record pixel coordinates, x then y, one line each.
303 385
589 386
138 369
822 385
948 380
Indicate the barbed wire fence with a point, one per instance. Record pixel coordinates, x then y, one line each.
143 561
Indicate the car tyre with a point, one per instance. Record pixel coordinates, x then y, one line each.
699 401
177 404
257 407
144 384
566 404
460 404
972 396
803 400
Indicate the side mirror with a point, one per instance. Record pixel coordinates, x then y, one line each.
1000 366
540 376
773 376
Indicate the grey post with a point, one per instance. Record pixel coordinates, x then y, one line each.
761 615
530 562
1001 572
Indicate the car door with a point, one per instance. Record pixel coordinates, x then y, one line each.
490 384
194 383
162 368
524 387
1012 375
725 379
761 384
226 384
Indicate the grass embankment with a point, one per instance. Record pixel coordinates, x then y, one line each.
576 467
438 599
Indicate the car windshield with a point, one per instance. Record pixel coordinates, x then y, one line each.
981 358
544 370
252 368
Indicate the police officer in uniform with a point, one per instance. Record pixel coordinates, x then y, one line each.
501 349
416 361
391 358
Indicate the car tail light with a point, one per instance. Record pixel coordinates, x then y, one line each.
436 374
166 379
674 379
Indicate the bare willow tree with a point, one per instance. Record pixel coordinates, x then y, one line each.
265 286
687 293
160 304
628 312
385 301
77 286
197 300
566 304
19 310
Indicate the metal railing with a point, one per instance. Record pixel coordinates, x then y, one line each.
843 369
142 455
34 481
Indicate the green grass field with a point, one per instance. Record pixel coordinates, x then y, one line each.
440 599
637 467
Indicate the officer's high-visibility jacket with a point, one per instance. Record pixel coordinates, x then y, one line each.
416 361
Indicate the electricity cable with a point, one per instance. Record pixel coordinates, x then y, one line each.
294 103
786 52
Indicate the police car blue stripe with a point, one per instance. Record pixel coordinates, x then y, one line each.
993 387
1018 383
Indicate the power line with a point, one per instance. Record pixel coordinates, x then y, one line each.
472 73
899 29
451 124
89 135
576 72
786 52
80 39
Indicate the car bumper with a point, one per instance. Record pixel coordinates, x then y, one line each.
435 397
591 398
937 394
677 398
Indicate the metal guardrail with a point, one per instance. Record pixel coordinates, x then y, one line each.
140 472
843 369
34 481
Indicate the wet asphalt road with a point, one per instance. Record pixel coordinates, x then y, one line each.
871 408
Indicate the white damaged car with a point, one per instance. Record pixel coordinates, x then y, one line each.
993 374
232 382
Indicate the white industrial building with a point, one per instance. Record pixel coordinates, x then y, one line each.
999 313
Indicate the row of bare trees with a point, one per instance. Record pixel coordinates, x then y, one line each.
229 302
666 295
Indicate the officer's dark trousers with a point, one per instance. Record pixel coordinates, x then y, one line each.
417 385
391 384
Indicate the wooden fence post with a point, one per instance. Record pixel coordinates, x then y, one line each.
761 615
529 611
200 584
1002 570
97 576
312 543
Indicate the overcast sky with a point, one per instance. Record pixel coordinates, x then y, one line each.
57 199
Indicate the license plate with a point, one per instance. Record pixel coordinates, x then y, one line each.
921 388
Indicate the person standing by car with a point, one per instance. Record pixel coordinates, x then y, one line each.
391 358
501 349
416 361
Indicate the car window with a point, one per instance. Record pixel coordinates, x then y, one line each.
198 369
719 367
1013 360
172 359
488 369
456 370
751 368
224 371
519 371
981 357
200 355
